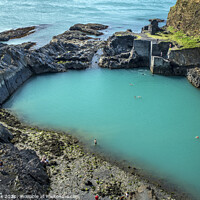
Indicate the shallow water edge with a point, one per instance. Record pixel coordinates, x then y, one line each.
141 179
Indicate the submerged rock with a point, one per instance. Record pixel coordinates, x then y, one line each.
17 33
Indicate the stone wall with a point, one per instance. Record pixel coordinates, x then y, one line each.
143 49
160 65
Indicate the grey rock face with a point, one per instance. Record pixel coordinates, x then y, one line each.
22 172
143 49
185 57
118 53
173 62
5 135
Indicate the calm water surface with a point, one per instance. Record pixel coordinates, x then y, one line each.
156 131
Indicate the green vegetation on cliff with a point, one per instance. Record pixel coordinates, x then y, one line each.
185 17
178 38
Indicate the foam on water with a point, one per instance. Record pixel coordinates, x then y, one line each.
156 131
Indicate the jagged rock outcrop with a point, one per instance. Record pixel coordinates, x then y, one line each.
70 50
90 28
185 16
193 76
17 33
123 51
153 27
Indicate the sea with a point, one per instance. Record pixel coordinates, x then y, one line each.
148 120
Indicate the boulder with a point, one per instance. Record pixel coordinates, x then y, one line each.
23 173
5 135
193 76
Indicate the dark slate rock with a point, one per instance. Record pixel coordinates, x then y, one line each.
16 33
5 135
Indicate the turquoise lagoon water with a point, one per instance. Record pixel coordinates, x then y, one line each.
156 131
56 16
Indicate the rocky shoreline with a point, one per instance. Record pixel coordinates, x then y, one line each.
73 171
75 50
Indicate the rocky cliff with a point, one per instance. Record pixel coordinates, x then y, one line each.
185 16
70 50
